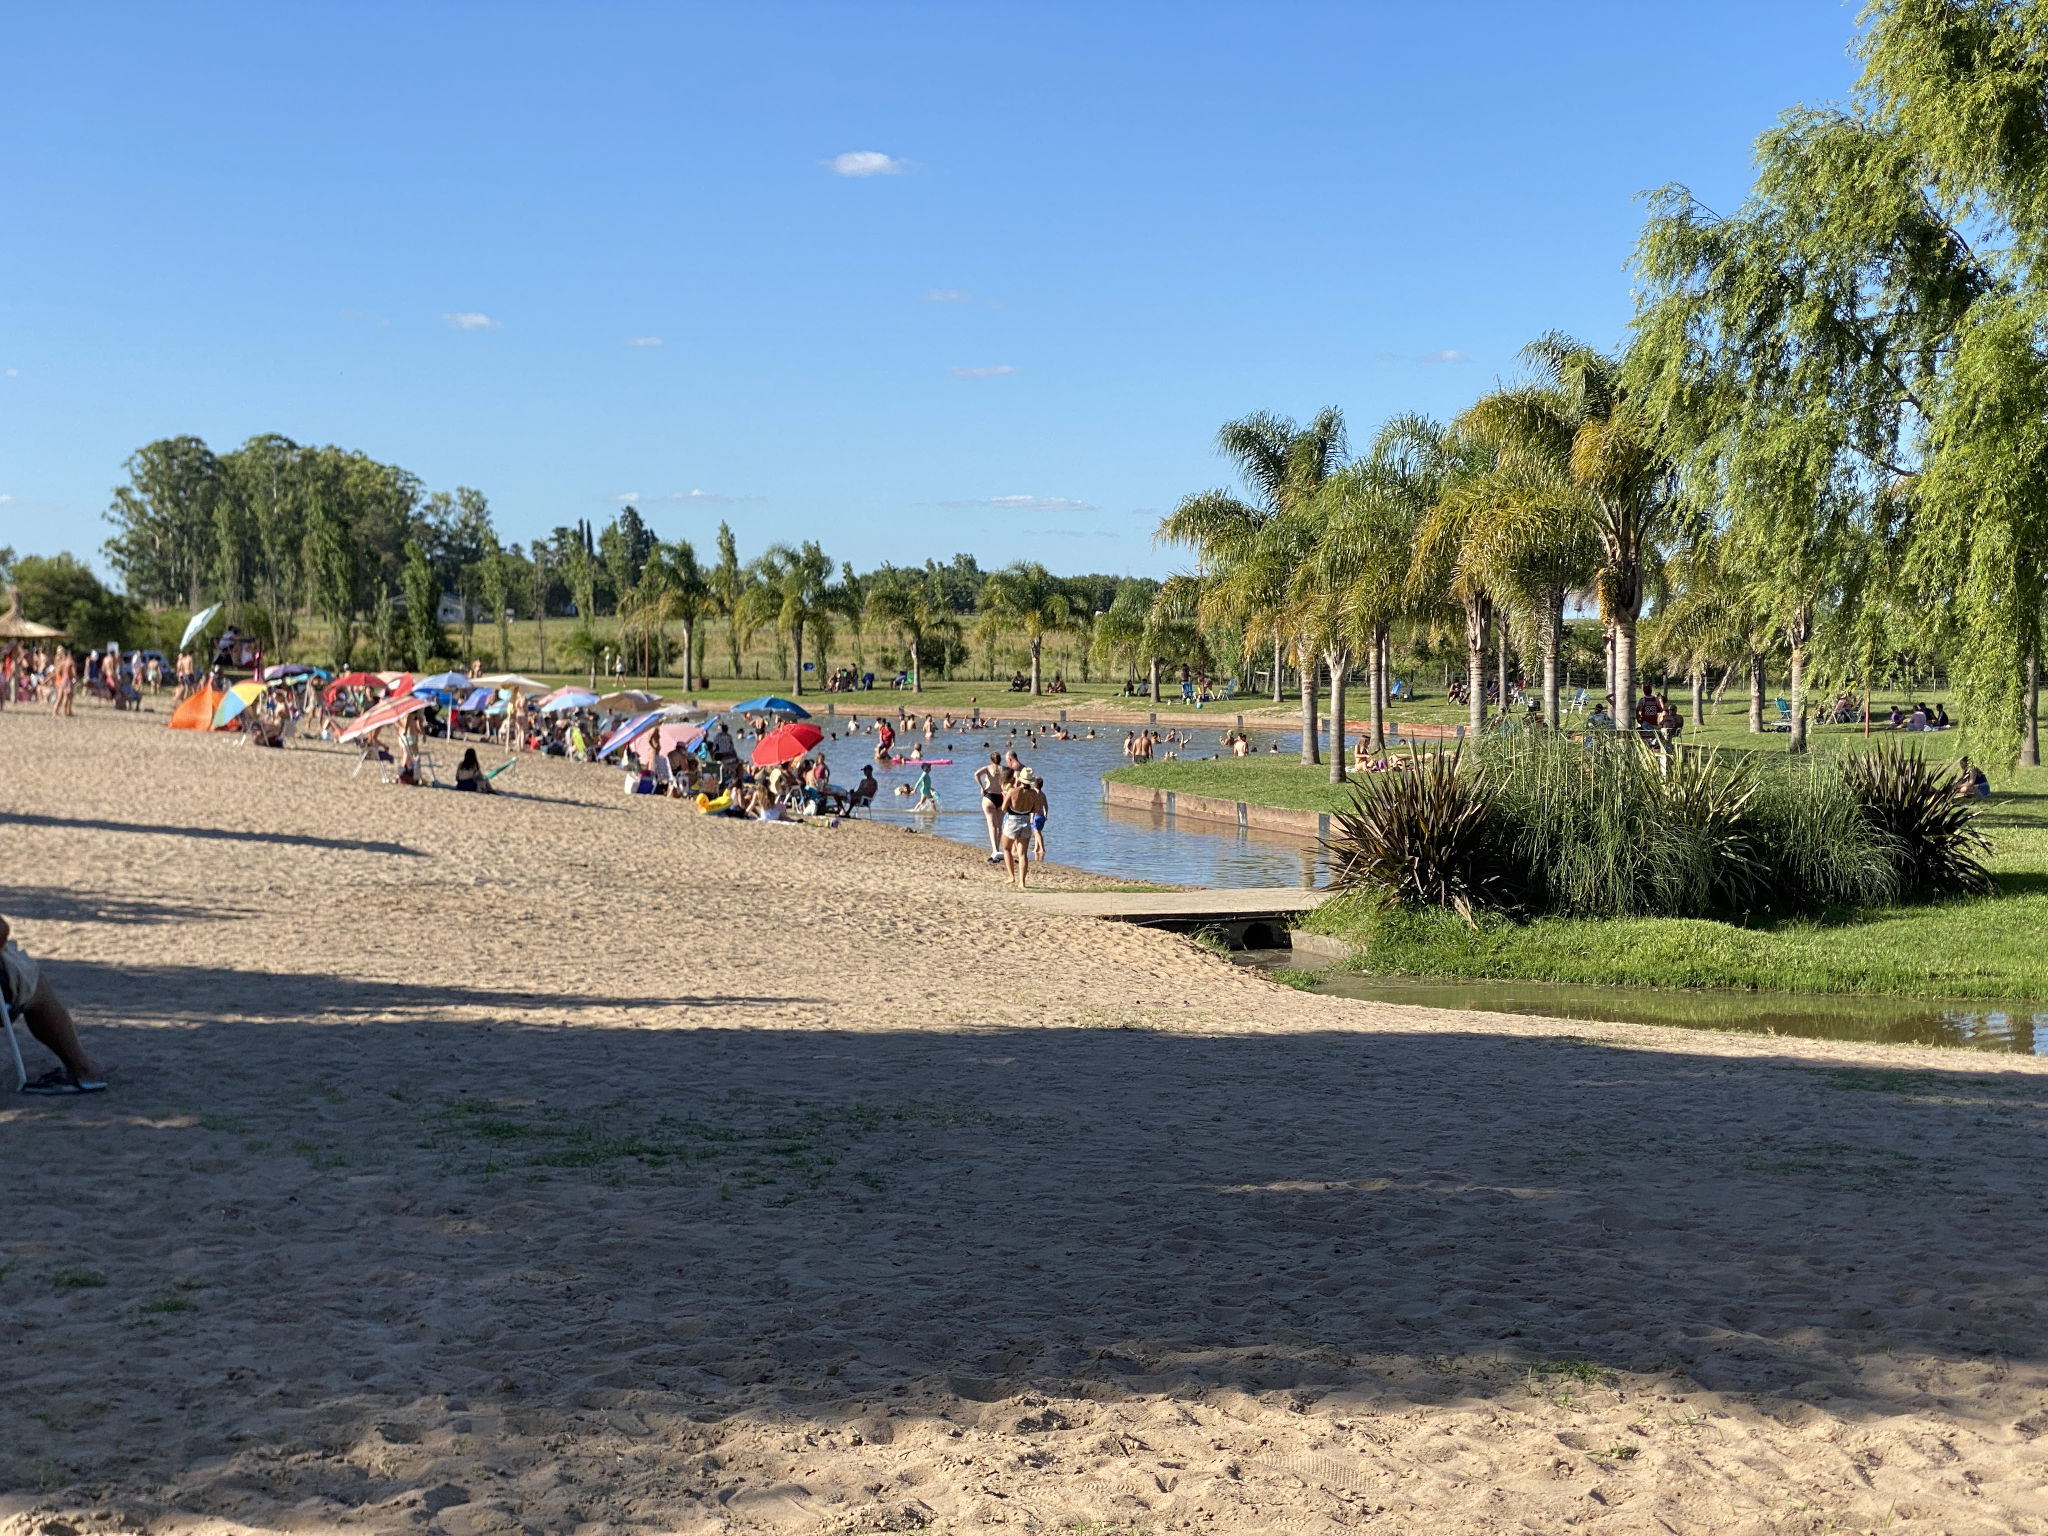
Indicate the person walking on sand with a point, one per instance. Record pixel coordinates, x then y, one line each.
1021 801
992 781
927 797
1038 817
66 683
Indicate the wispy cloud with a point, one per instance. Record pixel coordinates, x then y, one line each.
1144 511
630 498
14 373
4 500
643 341
993 371
1027 504
471 320
948 296
711 498
1077 533
1448 355
866 162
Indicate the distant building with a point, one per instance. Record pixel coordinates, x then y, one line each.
451 609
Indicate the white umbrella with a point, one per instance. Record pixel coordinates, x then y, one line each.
199 622
512 680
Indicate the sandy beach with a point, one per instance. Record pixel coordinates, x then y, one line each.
571 1163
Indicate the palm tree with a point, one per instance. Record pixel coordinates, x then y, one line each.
671 588
1618 458
914 605
1281 464
794 597
1173 625
1027 596
1529 526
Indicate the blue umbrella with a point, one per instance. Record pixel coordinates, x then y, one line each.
569 698
443 682
630 732
771 706
478 698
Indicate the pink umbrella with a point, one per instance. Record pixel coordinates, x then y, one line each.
390 712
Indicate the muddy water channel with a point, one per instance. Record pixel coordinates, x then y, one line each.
1972 1025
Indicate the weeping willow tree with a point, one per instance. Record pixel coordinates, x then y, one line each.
1857 358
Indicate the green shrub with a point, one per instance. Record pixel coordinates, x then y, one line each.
1426 837
1540 825
1933 833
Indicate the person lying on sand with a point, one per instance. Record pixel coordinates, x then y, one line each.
32 999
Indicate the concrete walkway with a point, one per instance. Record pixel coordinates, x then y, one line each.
1176 906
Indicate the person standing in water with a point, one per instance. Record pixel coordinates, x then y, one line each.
927 797
992 781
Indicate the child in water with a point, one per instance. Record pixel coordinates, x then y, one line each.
927 797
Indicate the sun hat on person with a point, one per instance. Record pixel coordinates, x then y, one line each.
1025 775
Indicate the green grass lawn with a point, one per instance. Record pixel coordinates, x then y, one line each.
1991 947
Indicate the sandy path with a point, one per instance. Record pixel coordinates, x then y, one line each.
572 1163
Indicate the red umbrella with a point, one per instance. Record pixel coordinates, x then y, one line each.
390 712
786 744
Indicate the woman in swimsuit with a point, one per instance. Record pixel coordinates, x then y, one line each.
993 782
1021 801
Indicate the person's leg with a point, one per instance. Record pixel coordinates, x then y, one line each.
50 1022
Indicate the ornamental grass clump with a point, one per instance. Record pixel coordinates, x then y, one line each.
1539 825
1932 832
1426 837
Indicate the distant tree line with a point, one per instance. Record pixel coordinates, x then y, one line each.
326 552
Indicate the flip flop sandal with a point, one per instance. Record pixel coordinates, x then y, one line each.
58 1082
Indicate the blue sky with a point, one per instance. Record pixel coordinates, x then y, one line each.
574 253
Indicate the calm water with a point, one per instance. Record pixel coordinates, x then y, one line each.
1979 1026
1082 831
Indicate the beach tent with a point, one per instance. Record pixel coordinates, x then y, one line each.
771 705
196 713
390 712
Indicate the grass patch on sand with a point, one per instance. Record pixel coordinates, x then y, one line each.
1270 780
1980 947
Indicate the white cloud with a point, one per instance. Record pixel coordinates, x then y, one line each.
470 320
4 500
14 373
643 341
866 162
948 296
630 498
710 498
995 371
1448 355
1027 504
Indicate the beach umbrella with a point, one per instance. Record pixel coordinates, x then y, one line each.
199 622
771 705
234 701
567 698
513 680
289 671
479 698
628 700
630 732
390 712
665 739
355 680
786 744
444 682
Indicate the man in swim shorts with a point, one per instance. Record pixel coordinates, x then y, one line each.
31 999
